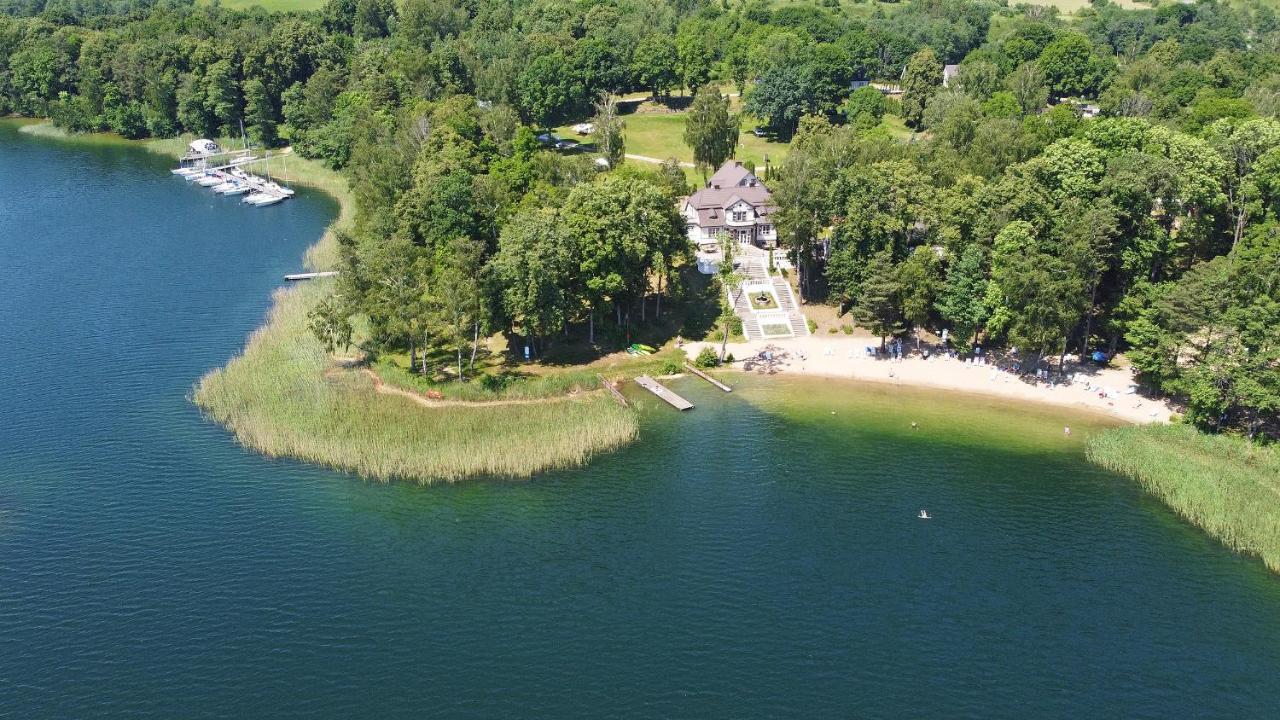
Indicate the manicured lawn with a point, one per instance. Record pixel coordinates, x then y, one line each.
661 136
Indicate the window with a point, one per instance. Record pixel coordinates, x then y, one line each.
739 216
766 229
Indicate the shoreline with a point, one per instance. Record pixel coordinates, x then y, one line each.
845 358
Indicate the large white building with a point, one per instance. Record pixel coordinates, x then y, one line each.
734 201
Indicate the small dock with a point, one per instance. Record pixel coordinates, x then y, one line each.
613 390
310 276
707 377
663 392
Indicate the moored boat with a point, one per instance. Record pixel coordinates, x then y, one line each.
261 199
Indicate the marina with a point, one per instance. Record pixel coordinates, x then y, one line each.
209 166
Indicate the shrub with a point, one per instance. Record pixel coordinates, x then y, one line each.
672 367
729 358
813 326
707 358
832 330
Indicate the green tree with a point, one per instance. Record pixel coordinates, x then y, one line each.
864 108
1029 87
919 280
655 64
330 322
1042 292
259 114
710 130
608 130
782 95
535 270
1071 66
961 300
458 298
878 306
921 79
730 282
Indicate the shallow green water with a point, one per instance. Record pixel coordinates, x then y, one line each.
758 556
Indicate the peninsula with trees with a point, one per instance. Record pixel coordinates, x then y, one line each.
516 178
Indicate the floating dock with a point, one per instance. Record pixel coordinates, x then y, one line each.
310 275
613 390
661 391
708 378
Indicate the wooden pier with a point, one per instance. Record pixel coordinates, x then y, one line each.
708 378
613 390
661 391
310 276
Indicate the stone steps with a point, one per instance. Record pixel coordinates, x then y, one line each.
756 271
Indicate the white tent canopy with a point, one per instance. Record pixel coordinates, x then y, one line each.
203 146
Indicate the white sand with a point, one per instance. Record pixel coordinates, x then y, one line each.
845 357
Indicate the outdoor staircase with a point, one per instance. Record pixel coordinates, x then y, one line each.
750 325
787 301
755 270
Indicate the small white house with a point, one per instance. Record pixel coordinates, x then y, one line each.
734 201
949 73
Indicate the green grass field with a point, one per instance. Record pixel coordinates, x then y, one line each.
661 136
1223 484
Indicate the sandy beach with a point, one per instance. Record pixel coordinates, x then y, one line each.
1099 389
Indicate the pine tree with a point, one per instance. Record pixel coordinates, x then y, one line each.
879 307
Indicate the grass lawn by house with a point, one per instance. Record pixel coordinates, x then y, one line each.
660 135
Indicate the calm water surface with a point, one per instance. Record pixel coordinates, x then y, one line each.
757 557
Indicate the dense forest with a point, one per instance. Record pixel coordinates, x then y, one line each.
1105 181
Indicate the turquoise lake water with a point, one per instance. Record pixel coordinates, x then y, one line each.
756 557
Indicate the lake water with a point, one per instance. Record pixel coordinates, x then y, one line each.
758 556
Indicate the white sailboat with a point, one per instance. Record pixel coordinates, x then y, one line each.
262 199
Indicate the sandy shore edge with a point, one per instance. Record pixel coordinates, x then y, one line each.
1100 390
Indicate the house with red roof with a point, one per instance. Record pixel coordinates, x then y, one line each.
733 201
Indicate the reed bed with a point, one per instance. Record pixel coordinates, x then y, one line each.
1223 484
281 398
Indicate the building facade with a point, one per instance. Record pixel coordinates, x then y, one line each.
734 201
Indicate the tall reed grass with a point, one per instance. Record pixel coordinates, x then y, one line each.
277 398
1223 484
